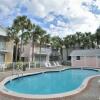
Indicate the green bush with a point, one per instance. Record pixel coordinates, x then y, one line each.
19 65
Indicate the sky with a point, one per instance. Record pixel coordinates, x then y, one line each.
57 17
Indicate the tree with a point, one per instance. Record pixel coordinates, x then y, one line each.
78 38
35 37
57 43
46 39
13 35
97 34
42 37
88 40
23 25
69 42
93 41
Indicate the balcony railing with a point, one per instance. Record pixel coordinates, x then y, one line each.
43 51
5 48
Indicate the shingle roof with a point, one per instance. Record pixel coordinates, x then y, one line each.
3 31
88 52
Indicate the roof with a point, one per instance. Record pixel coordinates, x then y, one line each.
88 52
3 31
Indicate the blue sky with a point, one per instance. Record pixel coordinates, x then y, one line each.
61 17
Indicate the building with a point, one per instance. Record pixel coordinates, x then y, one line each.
47 53
85 58
6 47
38 56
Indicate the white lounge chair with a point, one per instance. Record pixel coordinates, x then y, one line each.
2 66
49 65
46 64
57 63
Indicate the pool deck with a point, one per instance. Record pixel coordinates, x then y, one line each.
92 91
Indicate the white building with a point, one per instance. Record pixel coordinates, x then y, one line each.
6 47
42 56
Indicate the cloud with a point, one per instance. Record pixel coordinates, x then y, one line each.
58 18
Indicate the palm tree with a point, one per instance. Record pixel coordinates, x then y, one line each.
34 37
13 35
93 40
42 37
97 34
78 39
88 40
23 25
57 43
61 43
46 40
69 43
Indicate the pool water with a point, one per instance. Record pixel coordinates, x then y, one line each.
50 82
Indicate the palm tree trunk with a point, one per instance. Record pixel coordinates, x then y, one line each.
61 53
16 53
32 51
40 55
21 46
67 52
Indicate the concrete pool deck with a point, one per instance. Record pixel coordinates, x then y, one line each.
92 91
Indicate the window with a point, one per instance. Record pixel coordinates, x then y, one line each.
98 57
2 45
77 57
69 58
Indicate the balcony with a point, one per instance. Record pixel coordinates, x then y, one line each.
46 51
4 48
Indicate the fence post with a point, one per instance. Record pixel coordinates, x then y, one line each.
35 64
29 65
96 61
13 68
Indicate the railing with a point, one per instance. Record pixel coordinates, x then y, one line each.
11 66
6 48
18 65
43 50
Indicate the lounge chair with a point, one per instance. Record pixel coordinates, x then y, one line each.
58 64
49 65
55 64
2 66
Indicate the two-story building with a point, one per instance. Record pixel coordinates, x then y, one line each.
38 55
6 47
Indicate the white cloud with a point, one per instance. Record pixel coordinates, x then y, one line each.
80 19
49 18
7 7
97 3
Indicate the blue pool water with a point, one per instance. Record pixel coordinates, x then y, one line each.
50 82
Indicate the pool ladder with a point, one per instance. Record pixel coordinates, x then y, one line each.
18 74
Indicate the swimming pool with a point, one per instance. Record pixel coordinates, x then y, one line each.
50 82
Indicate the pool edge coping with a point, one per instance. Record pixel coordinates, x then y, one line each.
47 96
